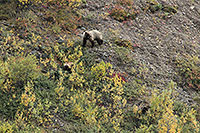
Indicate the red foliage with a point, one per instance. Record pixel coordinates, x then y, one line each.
122 76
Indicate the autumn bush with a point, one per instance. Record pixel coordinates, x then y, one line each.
120 14
164 10
73 3
33 111
189 70
6 126
15 73
123 11
21 70
162 115
100 101
91 94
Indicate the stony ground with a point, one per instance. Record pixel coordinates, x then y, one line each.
159 40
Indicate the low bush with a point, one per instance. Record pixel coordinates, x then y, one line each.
163 9
14 74
19 70
6 127
121 14
189 70
162 114
123 11
100 100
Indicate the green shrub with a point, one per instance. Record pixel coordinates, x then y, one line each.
123 10
22 69
118 14
34 111
122 14
14 74
94 97
125 43
6 127
123 55
71 3
163 9
162 114
8 9
125 2
189 70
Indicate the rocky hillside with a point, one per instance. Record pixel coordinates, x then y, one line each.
145 77
159 38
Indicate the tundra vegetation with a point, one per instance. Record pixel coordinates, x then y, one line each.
38 95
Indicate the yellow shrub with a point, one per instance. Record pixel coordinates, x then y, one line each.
97 99
163 117
6 127
71 3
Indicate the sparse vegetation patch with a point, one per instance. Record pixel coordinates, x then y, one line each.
189 71
163 9
123 10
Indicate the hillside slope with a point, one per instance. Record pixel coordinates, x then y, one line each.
161 40
145 77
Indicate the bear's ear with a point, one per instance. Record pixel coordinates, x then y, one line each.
87 35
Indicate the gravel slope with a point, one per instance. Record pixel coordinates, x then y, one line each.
160 40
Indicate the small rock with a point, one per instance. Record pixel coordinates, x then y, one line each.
192 7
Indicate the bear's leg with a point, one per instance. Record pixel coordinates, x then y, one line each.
92 43
84 42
